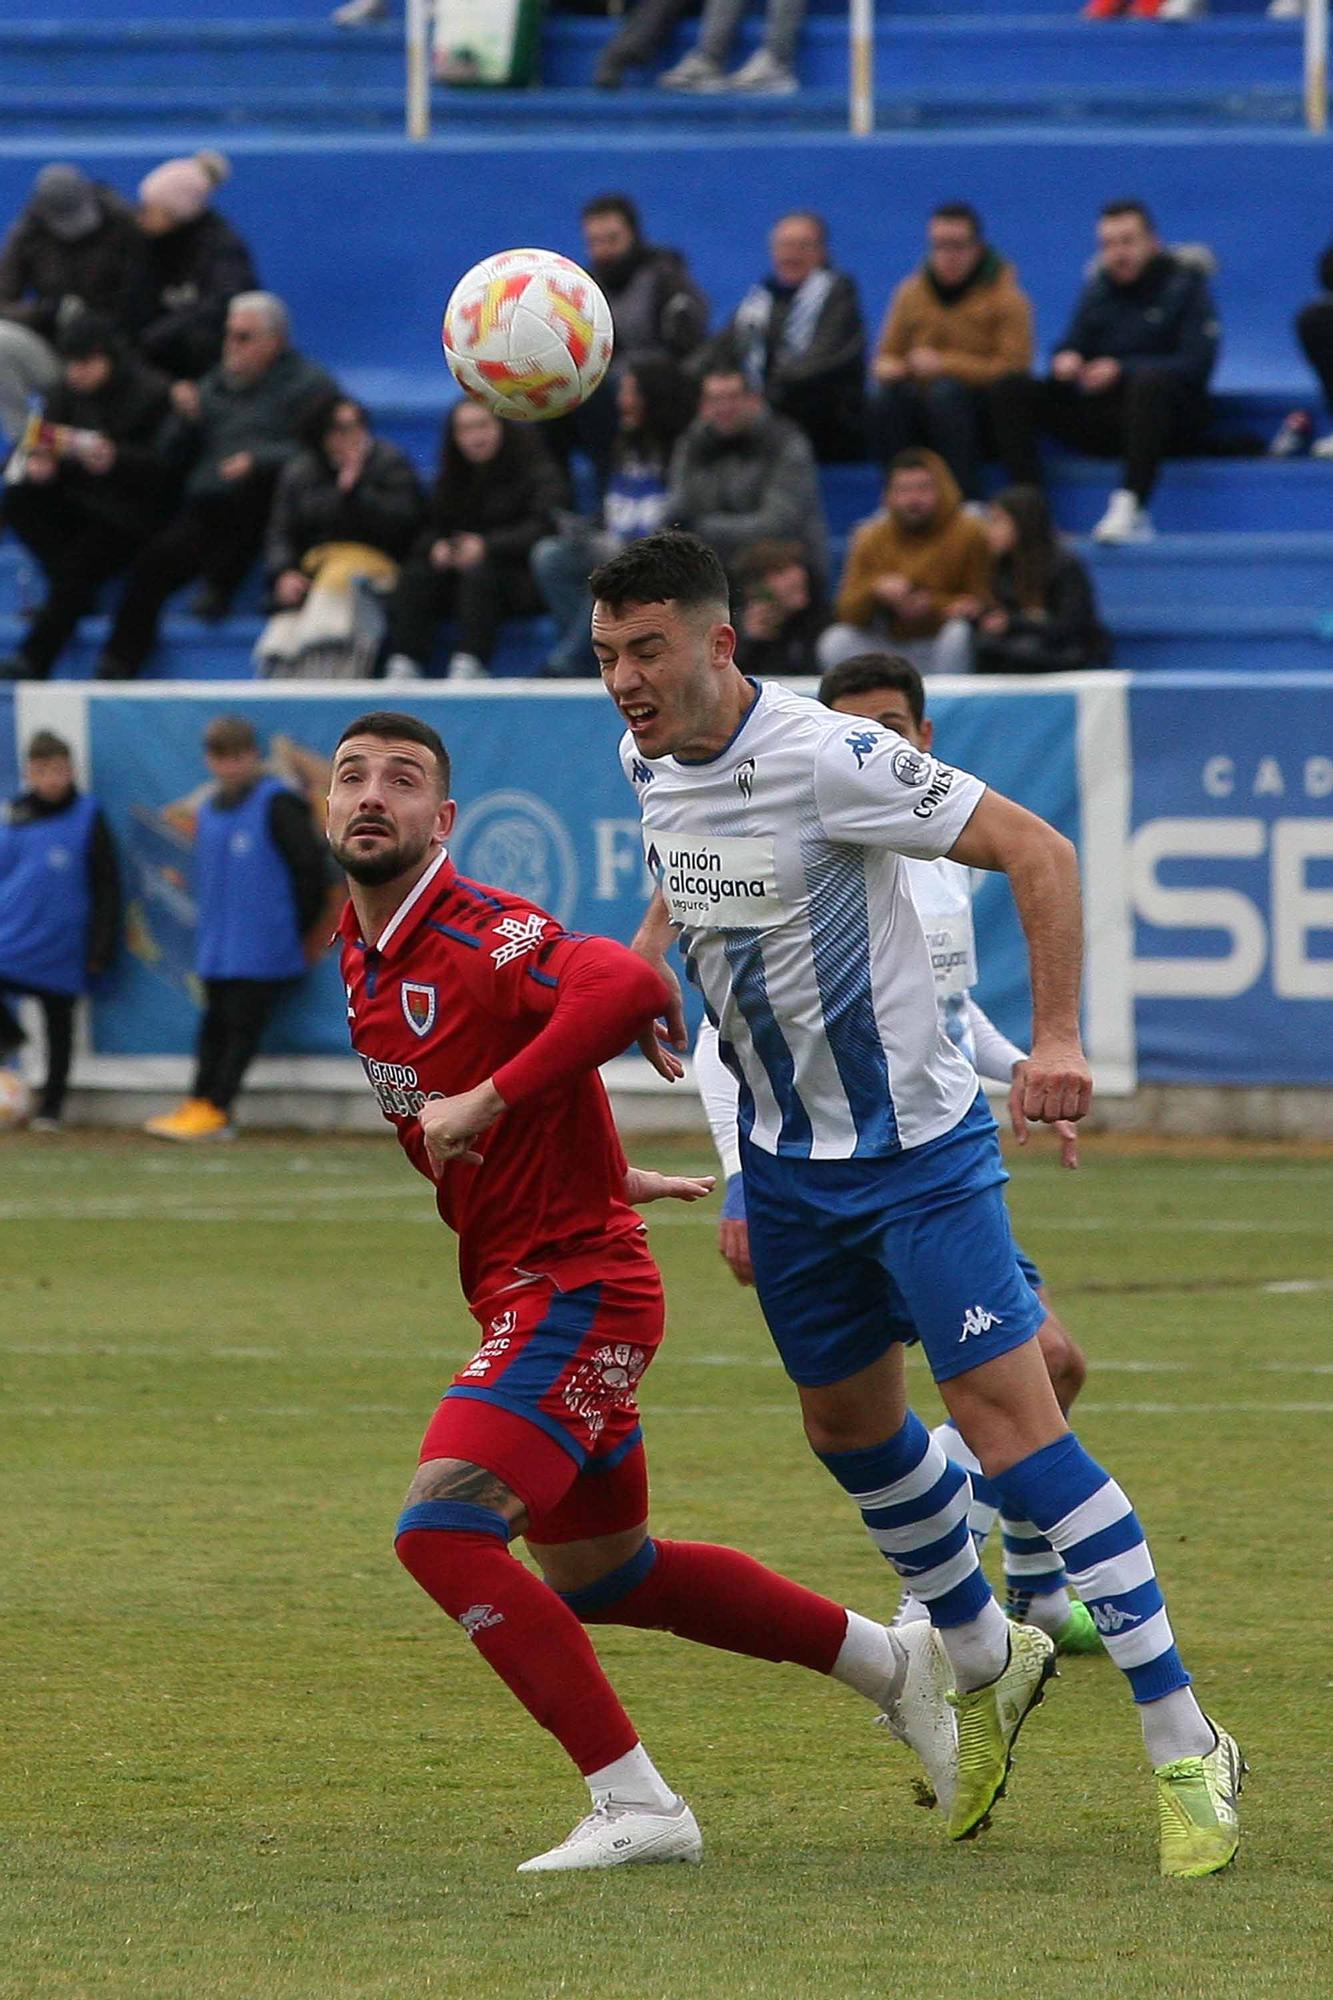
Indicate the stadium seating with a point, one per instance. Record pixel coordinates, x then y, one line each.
1029 112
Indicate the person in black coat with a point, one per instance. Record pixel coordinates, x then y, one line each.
345 486
1130 377
91 487
1043 614
196 263
782 611
494 498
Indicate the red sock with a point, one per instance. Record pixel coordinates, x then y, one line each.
719 1597
527 1635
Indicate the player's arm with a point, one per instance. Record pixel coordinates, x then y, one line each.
597 997
1001 1061
652 941
720 1096
1042 867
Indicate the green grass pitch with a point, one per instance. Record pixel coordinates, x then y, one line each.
243 1758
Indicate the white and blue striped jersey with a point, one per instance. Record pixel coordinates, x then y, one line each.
781 864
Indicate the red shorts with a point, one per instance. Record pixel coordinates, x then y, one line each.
548 1401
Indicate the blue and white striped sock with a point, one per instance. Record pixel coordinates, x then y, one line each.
1084 1515
914 1502
1034 1575
985 1493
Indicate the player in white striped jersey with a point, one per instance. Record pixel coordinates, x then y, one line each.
879 688
873 1181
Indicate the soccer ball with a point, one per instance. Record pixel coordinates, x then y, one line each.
528 334
15 1100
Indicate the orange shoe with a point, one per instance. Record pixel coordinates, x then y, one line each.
195 1119
1103 10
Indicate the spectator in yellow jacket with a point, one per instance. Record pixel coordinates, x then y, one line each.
954 326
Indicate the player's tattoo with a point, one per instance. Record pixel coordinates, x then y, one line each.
455 1480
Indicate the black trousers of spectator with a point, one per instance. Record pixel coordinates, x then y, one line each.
1146 416
58 1021
214 536
479 599
236 1013
79 551
1314 330
949 416
643 33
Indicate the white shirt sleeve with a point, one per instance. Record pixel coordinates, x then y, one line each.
872 788
718 1090
996 1054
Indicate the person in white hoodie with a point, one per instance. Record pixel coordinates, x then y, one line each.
890 691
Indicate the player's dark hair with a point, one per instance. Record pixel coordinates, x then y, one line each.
866 673
958 211
612 204
1129 205
669 568
45 746
392 727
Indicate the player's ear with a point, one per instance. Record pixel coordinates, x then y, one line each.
444 823
926 730
722 645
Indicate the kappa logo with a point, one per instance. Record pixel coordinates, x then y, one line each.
910 767
418 1006
977 1320
520 934
861 742
478 1616
641 773
1110 1618
745 779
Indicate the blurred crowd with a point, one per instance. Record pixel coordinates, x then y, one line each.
166 432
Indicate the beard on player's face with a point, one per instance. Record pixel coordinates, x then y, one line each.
382 864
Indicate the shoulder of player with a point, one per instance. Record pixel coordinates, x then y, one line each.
491 926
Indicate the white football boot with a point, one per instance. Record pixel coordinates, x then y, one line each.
623 1830
921 1715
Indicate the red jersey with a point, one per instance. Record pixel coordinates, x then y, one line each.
467 982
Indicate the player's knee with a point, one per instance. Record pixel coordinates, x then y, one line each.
1065 1362
430 1534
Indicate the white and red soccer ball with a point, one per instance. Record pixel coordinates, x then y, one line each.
527 333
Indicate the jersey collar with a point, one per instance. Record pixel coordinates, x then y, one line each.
437 877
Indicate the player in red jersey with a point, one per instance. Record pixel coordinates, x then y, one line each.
481 1025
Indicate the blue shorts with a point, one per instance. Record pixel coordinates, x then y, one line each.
852 1255
1028 1268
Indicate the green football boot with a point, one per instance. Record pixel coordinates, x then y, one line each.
1196 1809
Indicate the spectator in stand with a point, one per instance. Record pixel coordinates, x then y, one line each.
495 496
1042 614
89 484
656 307
955 326
239 428
655 401
347 510
917 574
799 337
782 611
1130 375
59 909
741 475
196 265
1314 330
75 248
769 72
260 886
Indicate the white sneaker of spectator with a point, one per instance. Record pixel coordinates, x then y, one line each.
398 667
693 72
1286 10
1182 10
1322 447
359 13
467 667
1126 520
764 76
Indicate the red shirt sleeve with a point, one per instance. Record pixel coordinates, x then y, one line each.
598 997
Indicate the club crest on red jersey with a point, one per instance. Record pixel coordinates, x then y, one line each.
418 1007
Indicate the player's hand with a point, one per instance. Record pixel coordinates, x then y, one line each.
450 1124
733 1242
643 1185
1057 1084
1065 1129
660 1043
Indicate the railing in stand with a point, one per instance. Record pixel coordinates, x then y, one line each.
417 103
861 66
1316 65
